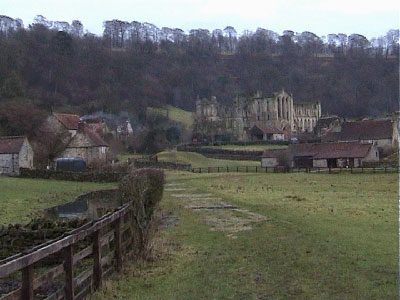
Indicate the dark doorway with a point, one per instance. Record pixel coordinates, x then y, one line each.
332 163
303 161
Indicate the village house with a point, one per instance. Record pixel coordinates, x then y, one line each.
60 122
266 133
383 133
15 153
322 155
86 144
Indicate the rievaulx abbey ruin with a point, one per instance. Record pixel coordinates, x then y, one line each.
274 117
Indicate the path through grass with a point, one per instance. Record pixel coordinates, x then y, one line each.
324 237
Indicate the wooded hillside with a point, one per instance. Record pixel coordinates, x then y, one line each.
135 65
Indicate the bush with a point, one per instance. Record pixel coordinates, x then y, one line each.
144 187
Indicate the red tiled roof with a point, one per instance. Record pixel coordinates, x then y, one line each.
95 127
11 144
362 130
70 121
266 129
331 150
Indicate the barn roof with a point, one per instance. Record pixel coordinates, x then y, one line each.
259 129
11 144
331 150
362 130
70 121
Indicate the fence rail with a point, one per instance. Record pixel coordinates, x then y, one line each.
113 228
259 169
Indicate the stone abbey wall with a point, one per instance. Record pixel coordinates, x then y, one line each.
277 111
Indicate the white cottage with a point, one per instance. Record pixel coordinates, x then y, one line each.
15 153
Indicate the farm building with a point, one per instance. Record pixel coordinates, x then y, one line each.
15 153
87 145
266 133
333 155
60 122
325 155
273 157
383 133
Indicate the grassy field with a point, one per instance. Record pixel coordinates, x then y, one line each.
322 237
198 160
248 147
21 199
175 114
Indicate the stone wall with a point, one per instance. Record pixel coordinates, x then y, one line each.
72 176
9 163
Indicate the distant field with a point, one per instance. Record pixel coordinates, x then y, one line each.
21 199
198 160
175 114
324 237
248 147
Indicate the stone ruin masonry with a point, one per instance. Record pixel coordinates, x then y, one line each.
278 111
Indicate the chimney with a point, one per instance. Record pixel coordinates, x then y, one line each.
81 127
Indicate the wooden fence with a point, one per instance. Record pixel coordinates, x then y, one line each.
258 169
76 282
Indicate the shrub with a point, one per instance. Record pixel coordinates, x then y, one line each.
144 187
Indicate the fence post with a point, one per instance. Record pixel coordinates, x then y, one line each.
27 283
97 268
247 169
256 169
266 169
374 170
329 170
362 170
227 169
351 170
208 169
69 273
237 169
118 250
385 169
218 169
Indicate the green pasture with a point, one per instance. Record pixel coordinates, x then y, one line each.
199 160
21 199
324 237
174 114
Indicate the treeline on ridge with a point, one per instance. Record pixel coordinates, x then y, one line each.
55 65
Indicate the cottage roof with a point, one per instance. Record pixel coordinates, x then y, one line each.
331 150
96 127
11 144
259 129
362 130
86 139
70 121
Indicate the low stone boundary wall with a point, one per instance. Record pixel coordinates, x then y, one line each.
161 165
72 176
224 153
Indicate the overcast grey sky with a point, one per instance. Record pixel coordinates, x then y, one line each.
367 17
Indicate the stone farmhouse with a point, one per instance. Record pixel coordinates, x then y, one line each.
15 153
273 116
86 144
383 133
322 155
78 139
61 122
